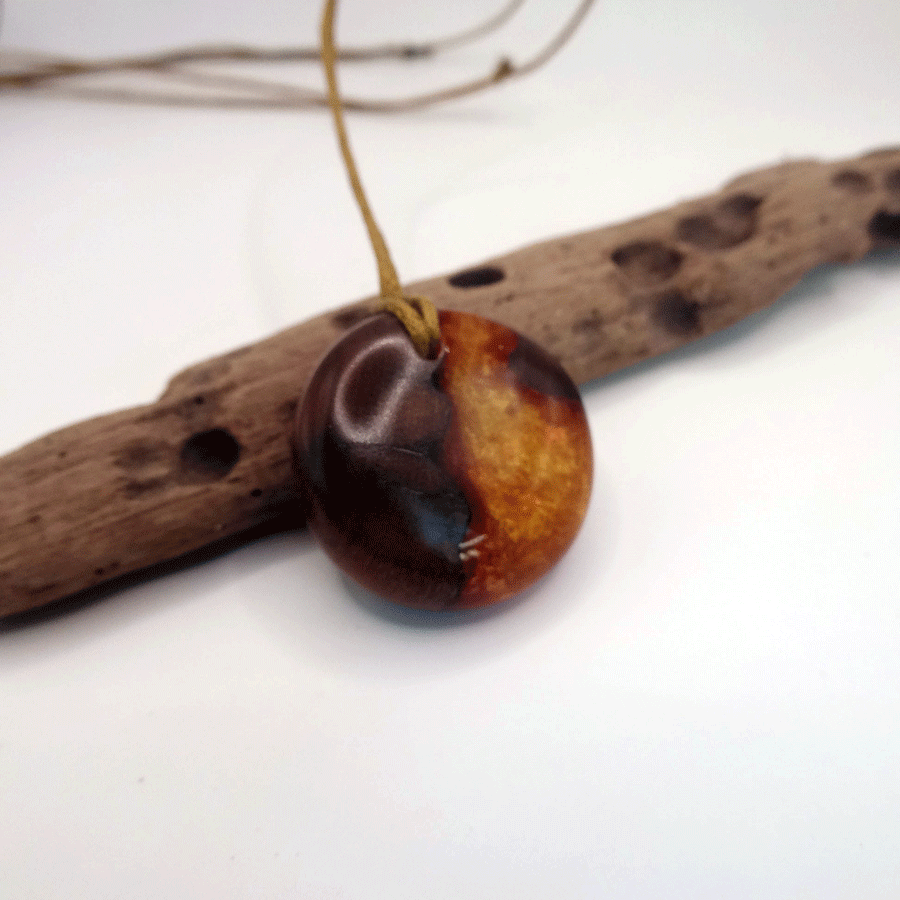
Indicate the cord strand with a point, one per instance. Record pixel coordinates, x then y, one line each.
417 315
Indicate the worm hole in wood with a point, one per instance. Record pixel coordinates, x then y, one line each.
648 260
677 314
852 181
884 227
210 454
480 277
731 223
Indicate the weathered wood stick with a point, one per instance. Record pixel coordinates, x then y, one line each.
212 457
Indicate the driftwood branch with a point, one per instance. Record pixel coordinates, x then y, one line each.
211 458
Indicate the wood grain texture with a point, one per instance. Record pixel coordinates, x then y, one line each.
212 457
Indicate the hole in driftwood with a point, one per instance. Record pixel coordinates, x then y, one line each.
855 182
647 260
731 223
740 206
210 454
678 314
479 277
884 227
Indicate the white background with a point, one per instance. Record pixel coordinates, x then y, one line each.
701 701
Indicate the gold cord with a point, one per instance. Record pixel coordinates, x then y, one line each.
417 314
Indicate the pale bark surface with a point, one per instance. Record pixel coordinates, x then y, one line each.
212 457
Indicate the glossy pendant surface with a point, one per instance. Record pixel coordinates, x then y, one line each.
449 483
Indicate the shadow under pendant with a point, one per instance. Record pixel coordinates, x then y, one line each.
446 483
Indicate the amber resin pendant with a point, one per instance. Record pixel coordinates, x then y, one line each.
444 483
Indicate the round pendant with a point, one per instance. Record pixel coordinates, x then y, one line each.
448 483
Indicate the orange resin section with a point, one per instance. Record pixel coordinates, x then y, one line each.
520 448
